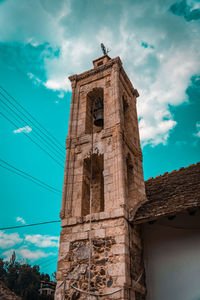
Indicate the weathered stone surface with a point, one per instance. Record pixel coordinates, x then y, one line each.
82 252
76 295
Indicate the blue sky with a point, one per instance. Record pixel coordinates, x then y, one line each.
42 42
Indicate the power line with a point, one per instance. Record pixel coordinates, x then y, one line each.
62 153
41 137
52 137
46 261
44 269
41 147
29 225
44 266
14 124
29 177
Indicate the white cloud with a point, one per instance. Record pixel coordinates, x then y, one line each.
22 25
9 240
157 133
161 74
30 249
25 129
197 133
168 88
71 60
61 95
55 85
25 253
20 220
34 78
162 77
42 241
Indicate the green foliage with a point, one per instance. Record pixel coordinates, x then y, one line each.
23 279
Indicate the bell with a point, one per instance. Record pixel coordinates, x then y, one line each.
98 117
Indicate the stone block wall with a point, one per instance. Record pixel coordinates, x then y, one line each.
110 256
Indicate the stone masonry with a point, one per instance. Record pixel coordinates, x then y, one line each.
117 187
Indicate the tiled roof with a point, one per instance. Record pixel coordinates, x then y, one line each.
171 193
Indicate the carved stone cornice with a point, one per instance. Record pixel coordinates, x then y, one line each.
116 62
97 70
73 81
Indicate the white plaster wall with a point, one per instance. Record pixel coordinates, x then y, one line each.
172 258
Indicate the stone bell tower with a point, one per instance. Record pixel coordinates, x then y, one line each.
103 182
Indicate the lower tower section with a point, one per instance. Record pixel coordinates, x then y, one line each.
110 260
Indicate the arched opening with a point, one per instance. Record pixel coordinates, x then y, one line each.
94 111
94 188
130 175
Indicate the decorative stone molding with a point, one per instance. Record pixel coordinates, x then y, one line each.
95 71
104 215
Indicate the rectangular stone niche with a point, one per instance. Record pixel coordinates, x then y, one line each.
96 190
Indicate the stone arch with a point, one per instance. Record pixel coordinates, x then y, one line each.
93 97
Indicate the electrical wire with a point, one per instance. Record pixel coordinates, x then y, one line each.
45 261
22 107
49 146
50 263
95 294
26 178
14 124
30 177
29 225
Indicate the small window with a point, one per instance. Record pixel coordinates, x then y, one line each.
100 63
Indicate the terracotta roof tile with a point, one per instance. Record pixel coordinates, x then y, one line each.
171 193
